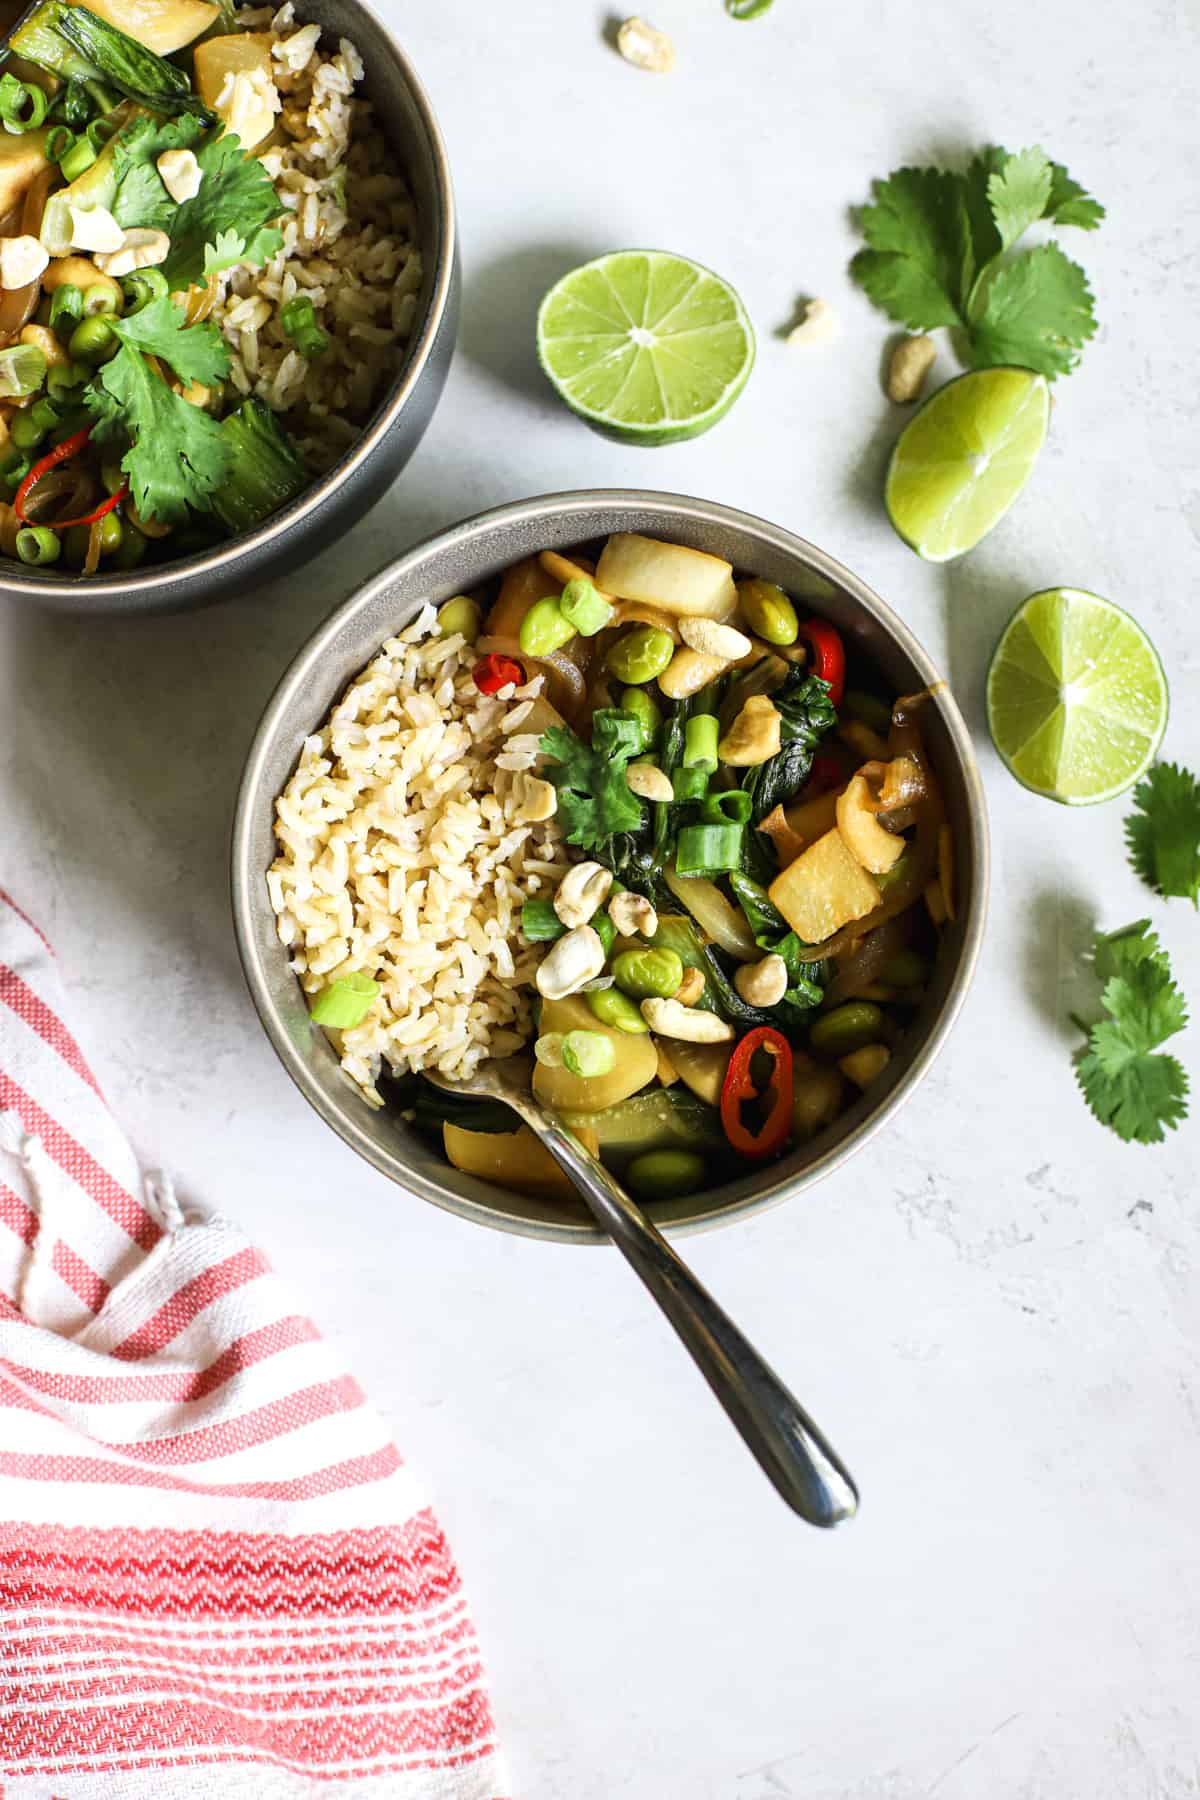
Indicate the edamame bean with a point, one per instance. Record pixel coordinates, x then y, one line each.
872 709
544 630
846 1028
905 970
612 1007
588 1054
645 709
768 612
641 654
460 617
648 974
666 1174
111 533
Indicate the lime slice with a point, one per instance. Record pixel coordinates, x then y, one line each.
649 348
962 461
1076 697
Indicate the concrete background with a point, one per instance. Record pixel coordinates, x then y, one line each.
993 1310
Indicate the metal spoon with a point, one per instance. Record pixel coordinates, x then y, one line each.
774 1426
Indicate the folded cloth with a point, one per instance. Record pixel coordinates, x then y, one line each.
216 1576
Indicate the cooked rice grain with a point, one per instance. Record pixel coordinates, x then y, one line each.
348 233
404 856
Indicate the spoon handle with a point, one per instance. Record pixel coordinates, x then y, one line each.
774 1426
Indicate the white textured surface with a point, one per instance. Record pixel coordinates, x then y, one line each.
994 1310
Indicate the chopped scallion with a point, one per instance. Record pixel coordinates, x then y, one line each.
345 1002
23 107
708 849
733 807
540 923
66 302
582 607
299 323
689 783
38 545
588 1054
700 736
78 159
58 141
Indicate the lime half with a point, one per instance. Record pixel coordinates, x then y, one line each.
962 461
649 348
1076 697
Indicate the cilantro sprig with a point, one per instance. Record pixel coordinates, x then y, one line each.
595 802
175 454
942 250
1163 833
1127 1081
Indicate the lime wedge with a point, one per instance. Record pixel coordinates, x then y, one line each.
1076 697
649 348
962 461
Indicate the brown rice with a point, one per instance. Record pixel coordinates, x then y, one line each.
348 244
409 835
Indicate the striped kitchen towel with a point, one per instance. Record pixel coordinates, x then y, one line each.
216 1576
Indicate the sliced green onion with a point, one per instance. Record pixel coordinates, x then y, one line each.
345 1002
38 545
265 471
22 371
78 160
142 287
15 472
25 431
299 323
540 923
548 1050
582 607
700 736
58 141
689 783
23 107
709 849
66 302
62 379
45 414
733 807
588 1053
100 298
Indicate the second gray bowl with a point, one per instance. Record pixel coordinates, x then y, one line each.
458 560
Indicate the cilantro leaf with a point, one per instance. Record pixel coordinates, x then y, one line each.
141 198
1069 204
228 221
195 352
1036 313
1163 834
1128 1083
594 798
1018 194
917 234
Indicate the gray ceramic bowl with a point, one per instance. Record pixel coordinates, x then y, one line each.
459 559
331 505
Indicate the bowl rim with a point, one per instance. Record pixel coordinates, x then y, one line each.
245 876
109 593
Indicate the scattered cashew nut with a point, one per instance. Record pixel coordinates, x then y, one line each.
537 800
690 988
22 260
711 639
649 783
581 892
753 736
94 228
817 327
762 983
181 174
570 964
141 248
633 915
688 1024
688 671
645 47
911 362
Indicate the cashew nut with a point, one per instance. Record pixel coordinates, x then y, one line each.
672 1020
649 783
911 362
570 964
762 983
818 325
687 672
690 988
753 737
94 228
180 173
633 915
581 892
22 260
537 800
141 248
712 639
645 47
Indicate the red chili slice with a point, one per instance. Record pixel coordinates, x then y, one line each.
61 453
828 655
740 1091
493 672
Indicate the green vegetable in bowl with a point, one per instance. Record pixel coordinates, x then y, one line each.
583 608
660 1119
612 1007
544 629
264 470
588 1054
641 654
71 41
666 1174
648 974
299 321
22 371
345 1003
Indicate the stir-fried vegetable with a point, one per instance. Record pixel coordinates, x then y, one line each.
263 473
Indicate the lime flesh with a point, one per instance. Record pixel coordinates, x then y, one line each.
1076 697
961 462
649 348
